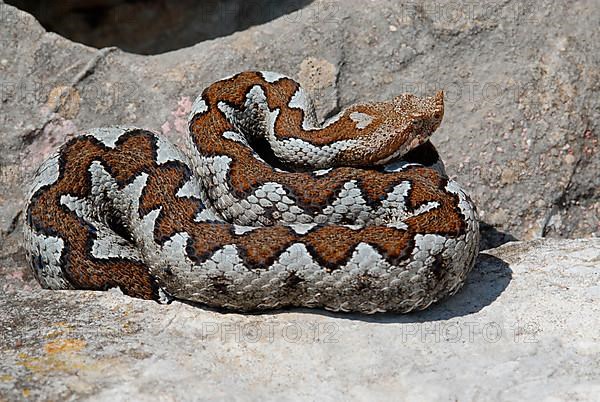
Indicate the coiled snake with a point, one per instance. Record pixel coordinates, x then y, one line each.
265 209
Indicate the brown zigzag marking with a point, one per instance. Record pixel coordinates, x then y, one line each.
46 215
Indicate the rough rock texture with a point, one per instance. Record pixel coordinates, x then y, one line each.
520 132
525 327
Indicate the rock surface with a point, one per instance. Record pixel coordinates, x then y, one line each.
520 133
525 327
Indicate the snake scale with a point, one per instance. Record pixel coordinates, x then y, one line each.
266 208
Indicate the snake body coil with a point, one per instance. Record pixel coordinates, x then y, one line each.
266 209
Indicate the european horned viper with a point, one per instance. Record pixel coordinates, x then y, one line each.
267 208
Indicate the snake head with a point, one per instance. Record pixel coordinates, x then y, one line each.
420 116
393 128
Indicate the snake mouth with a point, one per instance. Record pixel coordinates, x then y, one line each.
405 148
424 154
